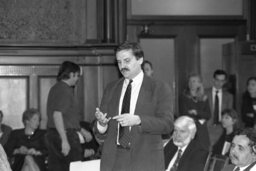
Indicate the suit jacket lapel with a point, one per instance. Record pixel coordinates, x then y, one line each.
169 151
116 96
210 100
144 89
186 154
224 99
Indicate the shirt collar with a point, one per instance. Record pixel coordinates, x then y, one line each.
214 90
137 79
183 148
244 167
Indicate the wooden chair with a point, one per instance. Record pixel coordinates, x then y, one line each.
216 163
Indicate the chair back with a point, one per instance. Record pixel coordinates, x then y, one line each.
216 163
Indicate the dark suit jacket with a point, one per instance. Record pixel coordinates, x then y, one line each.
193 158
227 102
154 108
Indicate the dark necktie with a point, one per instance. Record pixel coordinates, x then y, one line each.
216 108
176 163
124 132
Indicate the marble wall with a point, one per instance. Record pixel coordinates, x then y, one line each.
42 21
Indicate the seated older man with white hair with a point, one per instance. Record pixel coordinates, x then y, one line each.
183 152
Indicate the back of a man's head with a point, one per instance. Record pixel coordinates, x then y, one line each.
66 68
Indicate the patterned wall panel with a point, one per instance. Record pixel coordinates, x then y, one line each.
37 21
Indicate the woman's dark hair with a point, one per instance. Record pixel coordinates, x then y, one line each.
28 114
250 79
233 114
65 69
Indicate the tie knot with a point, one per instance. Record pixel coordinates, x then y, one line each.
179 152
130 82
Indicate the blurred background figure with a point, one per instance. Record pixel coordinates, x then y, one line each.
5 130
147 68
90 146
248 107
230 123
4 164
194 103
219 99
26 147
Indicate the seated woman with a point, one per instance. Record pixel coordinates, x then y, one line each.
229 122
26 147
194 103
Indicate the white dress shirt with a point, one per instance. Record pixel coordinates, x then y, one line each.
244 168
175 156
136 85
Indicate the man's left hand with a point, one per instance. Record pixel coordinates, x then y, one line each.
127 119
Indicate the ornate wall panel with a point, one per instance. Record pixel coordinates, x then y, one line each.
47 21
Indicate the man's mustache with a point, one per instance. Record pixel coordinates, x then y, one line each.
124 69
233 156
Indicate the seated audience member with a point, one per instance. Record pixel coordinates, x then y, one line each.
194 103
183 152
90 146
4 130
147 68
26 147
248 108
243 151
4 164
229 121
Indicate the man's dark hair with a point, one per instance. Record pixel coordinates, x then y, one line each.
220 72
66 68
250 133
135 47
147 62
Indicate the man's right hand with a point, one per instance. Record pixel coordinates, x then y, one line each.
101 118
65 148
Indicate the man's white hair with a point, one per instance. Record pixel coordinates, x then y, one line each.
188 122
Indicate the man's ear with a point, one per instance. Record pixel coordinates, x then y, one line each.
254 149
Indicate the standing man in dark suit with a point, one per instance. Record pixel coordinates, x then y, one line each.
219 100
183 152
135 111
